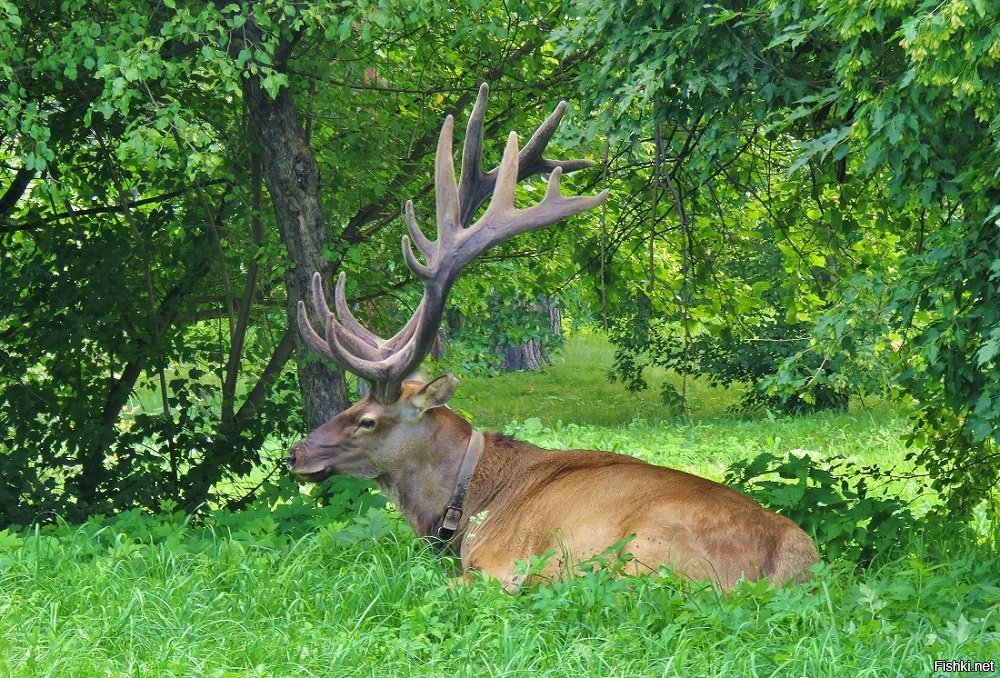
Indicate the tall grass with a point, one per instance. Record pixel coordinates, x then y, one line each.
255 595
294 589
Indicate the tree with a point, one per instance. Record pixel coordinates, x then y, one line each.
858 140
119 258
147 287
530 353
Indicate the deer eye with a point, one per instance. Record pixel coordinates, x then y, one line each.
367 423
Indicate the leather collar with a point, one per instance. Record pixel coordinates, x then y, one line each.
448 524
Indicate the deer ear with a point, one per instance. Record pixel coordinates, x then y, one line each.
435 393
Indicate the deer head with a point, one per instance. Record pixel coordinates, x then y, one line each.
364 440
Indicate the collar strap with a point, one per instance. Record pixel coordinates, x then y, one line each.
453 511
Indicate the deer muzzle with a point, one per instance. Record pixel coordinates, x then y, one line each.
301 461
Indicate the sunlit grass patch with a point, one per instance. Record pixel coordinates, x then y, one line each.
575 389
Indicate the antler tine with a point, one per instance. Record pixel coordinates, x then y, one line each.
503 193
387 371
411 345
364 368
532 151
477 186
409 328
347 319
426 247
530 159
423 272
309 333
553 207
343 312
502 220
319 298
351 345
423 244
358 344
445 187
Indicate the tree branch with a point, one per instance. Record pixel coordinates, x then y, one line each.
239 332
16 189
121 208
282 352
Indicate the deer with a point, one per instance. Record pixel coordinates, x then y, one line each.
491 500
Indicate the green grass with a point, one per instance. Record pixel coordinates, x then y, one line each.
572 404
260 594
575 389
299 590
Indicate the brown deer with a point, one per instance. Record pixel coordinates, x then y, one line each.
490 499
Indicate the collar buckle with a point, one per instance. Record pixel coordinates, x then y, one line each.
453 512
449 523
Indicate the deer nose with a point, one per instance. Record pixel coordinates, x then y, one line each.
291 457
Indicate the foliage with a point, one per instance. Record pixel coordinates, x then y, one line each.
859 144
148 353
830 500
725 357
714 259
139 336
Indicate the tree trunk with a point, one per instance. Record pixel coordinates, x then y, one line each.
531 356
292 179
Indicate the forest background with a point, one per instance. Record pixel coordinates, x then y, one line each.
803 202
793 284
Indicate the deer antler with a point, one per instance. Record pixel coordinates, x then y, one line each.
386 362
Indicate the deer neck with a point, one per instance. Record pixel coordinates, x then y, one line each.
424 484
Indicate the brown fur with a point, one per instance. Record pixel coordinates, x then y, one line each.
524 501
